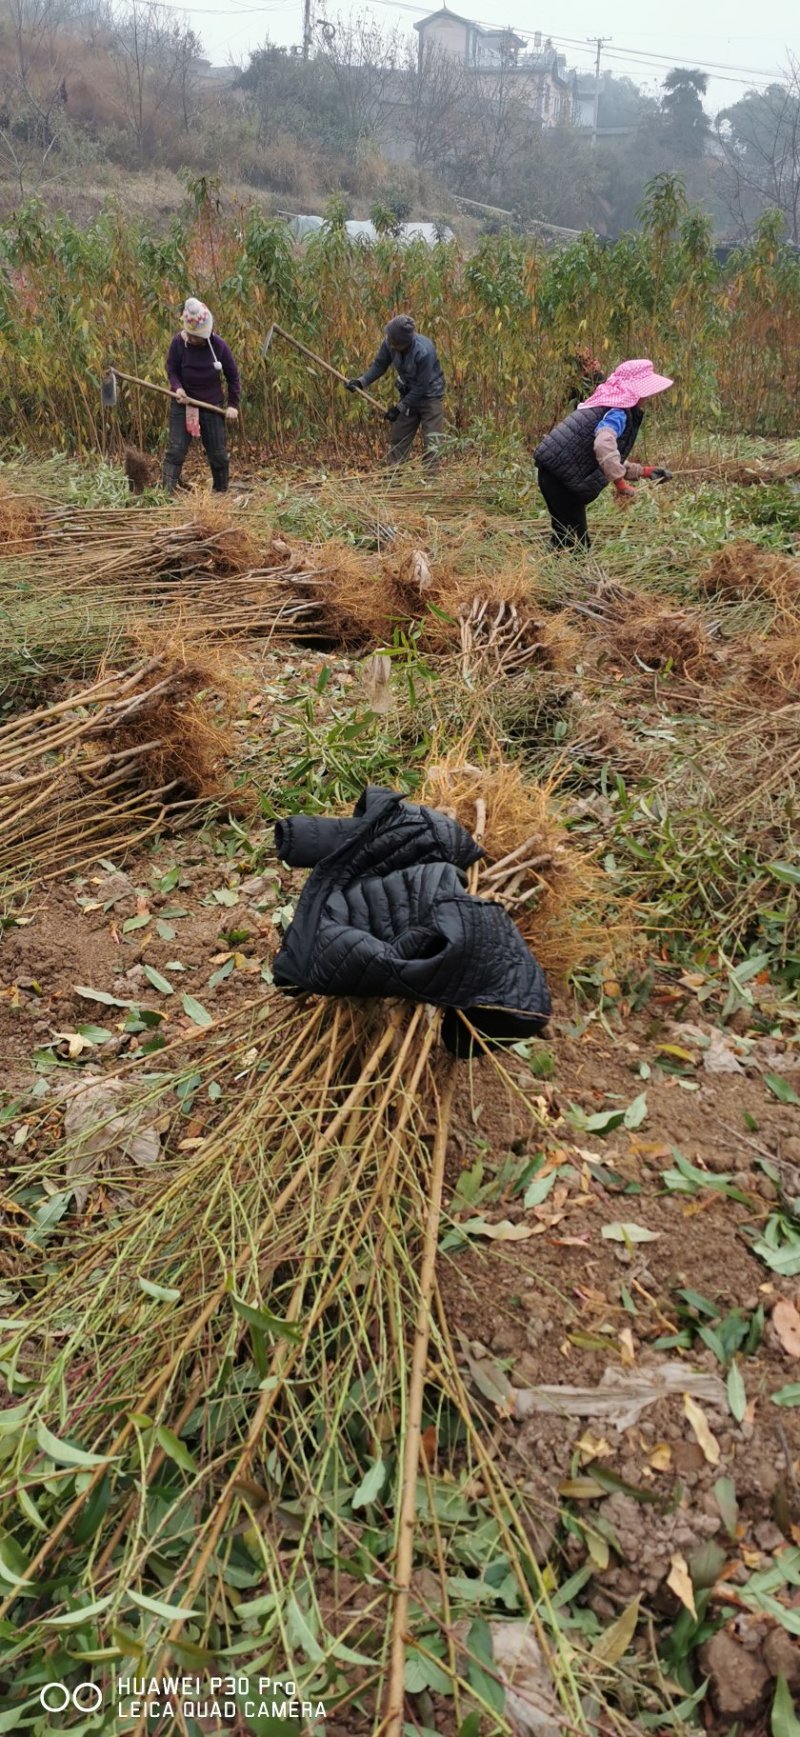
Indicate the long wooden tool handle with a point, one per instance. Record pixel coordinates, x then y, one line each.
321 362
150 386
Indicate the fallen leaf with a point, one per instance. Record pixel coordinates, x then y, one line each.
503 1231
622 1395
627 1346
629 1233
598 1550
679 1582
158 981
106 1132
725 1496
783 1719
428 1442
486 1373
648 1148
608 1650
702 1432
720 1058
786 1321
675 1049
591 1447
661 1457
581 1489
636 1112
781 1089
737 1396
531 1705
788 1395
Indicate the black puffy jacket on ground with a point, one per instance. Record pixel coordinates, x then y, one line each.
386 913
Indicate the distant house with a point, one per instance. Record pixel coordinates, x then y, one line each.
474 45
584 103
539 76
584 112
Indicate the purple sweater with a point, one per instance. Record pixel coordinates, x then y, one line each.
192 367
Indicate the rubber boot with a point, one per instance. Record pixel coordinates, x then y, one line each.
220 474
170 476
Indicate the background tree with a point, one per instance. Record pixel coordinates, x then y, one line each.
152 55
760 141
33 81
437 95
363 64
685 127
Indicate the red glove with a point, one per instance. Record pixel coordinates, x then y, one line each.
624 492
647 470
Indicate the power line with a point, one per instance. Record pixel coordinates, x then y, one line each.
760 80
191 11
718 69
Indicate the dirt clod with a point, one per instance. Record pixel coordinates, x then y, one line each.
739 1677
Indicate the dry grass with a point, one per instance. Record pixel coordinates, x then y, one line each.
109 765
489 619
630 627
747 472
362 599
557 895
768 673
743 569
181 737
232 548
668 638
21 522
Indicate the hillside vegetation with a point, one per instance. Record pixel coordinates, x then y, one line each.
106 97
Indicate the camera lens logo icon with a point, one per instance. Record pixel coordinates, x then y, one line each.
86 1698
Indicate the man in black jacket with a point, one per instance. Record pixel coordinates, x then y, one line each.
420 382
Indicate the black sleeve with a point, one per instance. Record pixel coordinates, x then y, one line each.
305 839
382 362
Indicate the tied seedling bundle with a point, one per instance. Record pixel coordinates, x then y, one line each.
106 767
239 1435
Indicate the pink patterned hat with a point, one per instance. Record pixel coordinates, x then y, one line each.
196 319
628 383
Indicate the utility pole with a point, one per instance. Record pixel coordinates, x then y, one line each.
307 26
599 42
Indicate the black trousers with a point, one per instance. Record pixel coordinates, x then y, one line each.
567 513
212 434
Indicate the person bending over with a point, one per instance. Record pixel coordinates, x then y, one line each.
420 383
589 450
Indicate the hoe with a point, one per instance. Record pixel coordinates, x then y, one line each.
108 391
276 330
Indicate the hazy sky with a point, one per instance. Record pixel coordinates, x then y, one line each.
717 35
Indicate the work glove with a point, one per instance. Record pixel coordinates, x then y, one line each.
392 413
231 415
180 395
657 473
624 492
353 385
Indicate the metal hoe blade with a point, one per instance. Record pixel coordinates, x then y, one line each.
268 339
108 389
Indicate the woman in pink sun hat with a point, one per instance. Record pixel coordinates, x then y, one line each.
589 450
